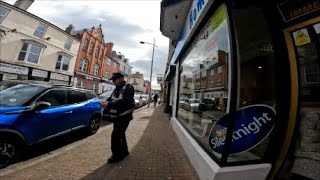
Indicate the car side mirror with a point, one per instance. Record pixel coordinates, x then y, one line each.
39 106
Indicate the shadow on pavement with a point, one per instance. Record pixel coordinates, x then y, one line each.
157 155
50 145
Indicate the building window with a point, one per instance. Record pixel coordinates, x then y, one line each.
63 63
107 74
30 53
212 72
91 47
40 31
95 69
97 52
108 61
219 82
84 44
81 84
220 69
83 65
199 125
68 44
94 88
3 13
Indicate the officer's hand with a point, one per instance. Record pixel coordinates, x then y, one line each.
104 103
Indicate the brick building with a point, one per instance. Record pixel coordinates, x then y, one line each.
94 63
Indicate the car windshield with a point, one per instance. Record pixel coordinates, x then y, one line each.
106 94
194 101
17 94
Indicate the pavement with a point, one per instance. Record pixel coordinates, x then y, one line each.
155 153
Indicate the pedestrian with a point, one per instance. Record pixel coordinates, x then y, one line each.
120 107
155 99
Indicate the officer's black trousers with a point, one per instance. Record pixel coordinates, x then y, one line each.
119 145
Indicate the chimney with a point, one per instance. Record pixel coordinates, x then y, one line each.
70 29
23 4
109 47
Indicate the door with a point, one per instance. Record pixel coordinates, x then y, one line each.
81 108
302 141
48 122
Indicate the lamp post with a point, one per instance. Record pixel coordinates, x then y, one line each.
153 45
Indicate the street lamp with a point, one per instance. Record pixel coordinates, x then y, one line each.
153 45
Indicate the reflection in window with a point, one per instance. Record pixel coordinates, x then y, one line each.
256 69
205 102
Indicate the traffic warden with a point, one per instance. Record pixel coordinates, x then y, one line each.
120 106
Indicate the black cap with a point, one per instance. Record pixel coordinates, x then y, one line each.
116 76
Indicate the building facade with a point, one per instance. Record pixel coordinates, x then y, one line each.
125 68
137 81
34 49
255 68
94 63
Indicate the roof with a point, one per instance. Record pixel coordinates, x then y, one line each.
38 18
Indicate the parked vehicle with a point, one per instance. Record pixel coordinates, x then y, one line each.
138 101
192 105
210 108
145 97
31 112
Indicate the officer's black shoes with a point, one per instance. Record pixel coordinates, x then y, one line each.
115 159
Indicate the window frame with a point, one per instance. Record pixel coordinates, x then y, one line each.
91 47
5 15
68 43
62 62
80 65
96 69
44 32
85 44
28 51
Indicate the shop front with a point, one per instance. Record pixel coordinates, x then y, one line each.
254 69
86 81
10 71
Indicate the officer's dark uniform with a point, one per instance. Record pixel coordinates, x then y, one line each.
120 107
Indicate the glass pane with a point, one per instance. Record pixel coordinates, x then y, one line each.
24 47
257 83
210 50
42 28
22 55
65 67
307 146
33 58
35 49
55 98
38 33
58 65
76 97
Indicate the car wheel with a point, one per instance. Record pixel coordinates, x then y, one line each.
94 124
9 151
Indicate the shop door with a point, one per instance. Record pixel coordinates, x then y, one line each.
302 142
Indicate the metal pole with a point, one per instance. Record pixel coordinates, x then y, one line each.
151 72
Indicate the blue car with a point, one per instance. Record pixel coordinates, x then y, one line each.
31 112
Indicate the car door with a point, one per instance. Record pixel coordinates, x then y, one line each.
80 107
48 122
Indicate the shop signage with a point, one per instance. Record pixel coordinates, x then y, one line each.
59 77
252 125
301 37
9 68
39 73
292 9
10 76
218 17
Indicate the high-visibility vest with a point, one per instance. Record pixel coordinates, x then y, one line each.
114 112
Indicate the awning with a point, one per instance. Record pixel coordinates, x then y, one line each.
170 73
173 16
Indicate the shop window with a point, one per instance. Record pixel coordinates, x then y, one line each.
63 63
81 84
257 82
68 44
30 53
94 88
212 45
40 31
3 13
83 65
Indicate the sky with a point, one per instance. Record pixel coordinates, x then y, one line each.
124 22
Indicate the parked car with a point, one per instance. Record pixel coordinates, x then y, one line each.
138 101
192 105
210 109
31 112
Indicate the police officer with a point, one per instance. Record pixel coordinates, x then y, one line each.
120 107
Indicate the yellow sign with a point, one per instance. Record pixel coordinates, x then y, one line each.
218 17
301 37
